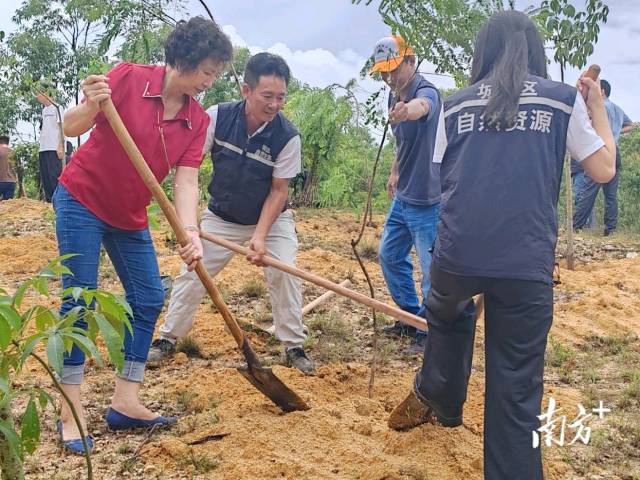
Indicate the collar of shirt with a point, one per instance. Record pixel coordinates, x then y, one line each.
244 116
153 90
411 90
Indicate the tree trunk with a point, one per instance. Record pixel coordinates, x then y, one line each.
10 464
569 223
569 200
308 192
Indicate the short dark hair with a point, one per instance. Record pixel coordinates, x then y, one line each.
194 41
606 86
266 64
4 139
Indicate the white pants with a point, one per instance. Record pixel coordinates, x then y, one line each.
285 290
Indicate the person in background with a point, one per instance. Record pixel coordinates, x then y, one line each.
101 200
587 191
51 153
7 178
414 181
501 144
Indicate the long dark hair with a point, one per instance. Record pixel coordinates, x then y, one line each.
508 47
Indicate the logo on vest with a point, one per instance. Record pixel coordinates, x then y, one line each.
264 153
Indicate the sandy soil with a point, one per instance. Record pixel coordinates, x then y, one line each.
344 435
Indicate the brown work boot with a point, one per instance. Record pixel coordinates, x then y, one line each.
410 413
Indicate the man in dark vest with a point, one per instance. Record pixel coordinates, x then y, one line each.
255 151
414 182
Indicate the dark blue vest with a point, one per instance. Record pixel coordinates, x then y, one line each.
500 188
243 166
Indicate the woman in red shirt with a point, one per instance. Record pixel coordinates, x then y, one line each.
101 200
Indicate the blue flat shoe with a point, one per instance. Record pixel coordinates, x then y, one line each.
119 421
75 445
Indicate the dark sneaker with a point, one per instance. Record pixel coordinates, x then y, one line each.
297 358
161 349
410 413
399 329
416 347
608 232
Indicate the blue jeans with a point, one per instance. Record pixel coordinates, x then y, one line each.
578 183
586 199
407 226
134 258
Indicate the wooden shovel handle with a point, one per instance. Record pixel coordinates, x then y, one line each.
110 112
406 317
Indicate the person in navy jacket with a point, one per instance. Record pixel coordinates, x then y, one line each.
501 145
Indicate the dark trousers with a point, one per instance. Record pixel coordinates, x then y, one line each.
50 170
517 320
7 190
586 198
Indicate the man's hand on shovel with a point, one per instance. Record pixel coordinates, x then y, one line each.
258 248
193 251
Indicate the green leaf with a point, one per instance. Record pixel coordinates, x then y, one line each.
44 317
5 334
55 352
30 427
86 345
5 389
42 286
18 297
12 438
29 344
11 316
569 10
44 398
112 340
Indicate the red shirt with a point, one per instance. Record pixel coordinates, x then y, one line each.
101 176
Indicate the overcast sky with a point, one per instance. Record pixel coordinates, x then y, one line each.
327 41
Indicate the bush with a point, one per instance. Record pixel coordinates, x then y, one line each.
25 156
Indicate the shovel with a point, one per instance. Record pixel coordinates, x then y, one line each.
261 378
394 312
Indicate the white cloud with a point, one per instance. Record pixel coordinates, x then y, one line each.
319 67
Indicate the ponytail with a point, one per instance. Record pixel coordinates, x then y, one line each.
508 47
507 80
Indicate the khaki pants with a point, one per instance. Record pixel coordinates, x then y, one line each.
285 290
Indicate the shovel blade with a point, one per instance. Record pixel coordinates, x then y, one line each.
268 384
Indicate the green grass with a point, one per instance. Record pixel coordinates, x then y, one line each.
254 288
603 368
331 339
190 347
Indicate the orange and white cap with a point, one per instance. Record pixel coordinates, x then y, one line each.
389 53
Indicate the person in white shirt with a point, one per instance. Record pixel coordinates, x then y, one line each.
51 146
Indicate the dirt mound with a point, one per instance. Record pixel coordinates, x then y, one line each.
228 430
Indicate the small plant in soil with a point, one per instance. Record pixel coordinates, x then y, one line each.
25 332
190 347
202 463
254 288
369 249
